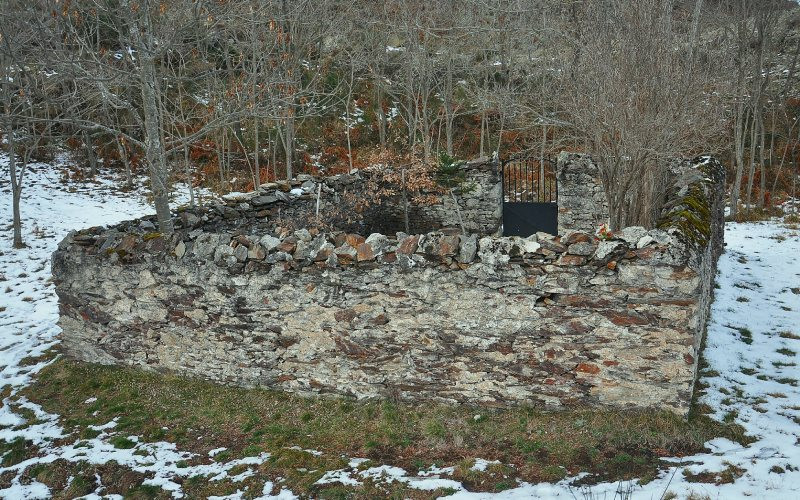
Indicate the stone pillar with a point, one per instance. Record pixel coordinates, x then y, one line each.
582 204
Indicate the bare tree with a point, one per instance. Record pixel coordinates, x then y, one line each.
636 100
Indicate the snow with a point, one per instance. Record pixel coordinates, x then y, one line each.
750 352
481 465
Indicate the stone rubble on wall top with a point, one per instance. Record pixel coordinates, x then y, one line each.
304 248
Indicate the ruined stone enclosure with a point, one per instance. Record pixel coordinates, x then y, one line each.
238 297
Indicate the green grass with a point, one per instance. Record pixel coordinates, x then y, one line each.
746 335
541 445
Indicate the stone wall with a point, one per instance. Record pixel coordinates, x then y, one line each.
545 320
348 202
480 205
582 204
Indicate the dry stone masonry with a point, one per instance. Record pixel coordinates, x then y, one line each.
470 318
582 204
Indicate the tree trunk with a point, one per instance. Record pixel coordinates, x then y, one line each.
752 170
289 142
381 114
89 148
742 119
154 148
188 172
256 162
16 191
123 155
448 106
347 122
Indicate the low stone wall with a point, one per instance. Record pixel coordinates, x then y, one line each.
550 320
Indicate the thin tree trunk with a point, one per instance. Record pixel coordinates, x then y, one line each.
289 143
188 170
448 106
752 171
89 148
381 115
763 184
154 148
405 200
783 158
123 155
256 162
16 190
742 120
347 122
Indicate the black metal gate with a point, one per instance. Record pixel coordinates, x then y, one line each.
530 197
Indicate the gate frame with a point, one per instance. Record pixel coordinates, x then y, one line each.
547 210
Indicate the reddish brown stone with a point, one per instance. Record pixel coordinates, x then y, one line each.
448 245
408 245
623 319
577 237
682 273
128 243
323 254
390 257
288 245
646 252
577 326
608 362
571 260
243 240
354 240
583 301
688 358
345 315
365 252
156 245
588 368
502 348
612 265
285 378
380 319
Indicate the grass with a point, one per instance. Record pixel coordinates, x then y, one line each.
726 476
532 445
747 336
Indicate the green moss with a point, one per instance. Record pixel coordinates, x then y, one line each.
150 236
691 215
